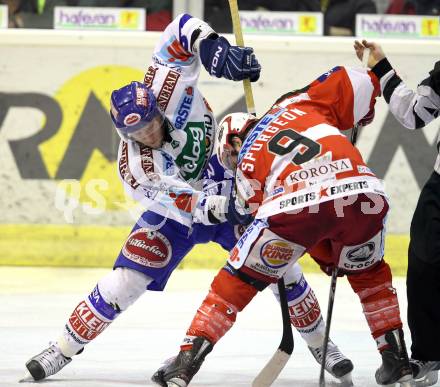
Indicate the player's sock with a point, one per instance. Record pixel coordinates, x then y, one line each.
304 310
306 317
113 294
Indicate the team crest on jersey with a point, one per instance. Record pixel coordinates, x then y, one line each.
276 253
148 248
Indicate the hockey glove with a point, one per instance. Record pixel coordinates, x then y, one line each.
223 209
237 213
231 62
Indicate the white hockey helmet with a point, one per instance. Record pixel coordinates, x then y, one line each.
233 129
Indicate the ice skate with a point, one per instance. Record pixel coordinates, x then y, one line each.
425 373
336 364
178 371
45 364
395 366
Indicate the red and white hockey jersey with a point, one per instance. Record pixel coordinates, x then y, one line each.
296 155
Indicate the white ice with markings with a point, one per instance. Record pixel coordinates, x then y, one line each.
36 302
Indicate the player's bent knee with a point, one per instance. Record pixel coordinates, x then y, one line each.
122 287
228 295
233 289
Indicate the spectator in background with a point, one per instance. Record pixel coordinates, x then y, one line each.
401 7
33 13
159 12
39 13
427 7
340 15
14 18
217 12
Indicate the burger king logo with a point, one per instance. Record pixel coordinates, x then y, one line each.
132 119
148 248
276 253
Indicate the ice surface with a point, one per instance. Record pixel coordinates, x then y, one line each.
35 303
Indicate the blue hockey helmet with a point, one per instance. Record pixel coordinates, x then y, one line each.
133 107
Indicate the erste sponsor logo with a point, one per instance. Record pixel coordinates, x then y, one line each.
184 108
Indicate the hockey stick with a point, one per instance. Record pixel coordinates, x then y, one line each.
331 295
331 300
275 365
236 26
278 361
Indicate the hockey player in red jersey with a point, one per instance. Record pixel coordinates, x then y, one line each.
166 163
310 191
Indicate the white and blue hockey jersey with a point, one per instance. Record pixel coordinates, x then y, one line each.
167 181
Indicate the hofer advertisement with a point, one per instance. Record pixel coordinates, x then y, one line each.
91 18
58 148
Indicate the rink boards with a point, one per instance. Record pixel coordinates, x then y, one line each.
62 203
91 246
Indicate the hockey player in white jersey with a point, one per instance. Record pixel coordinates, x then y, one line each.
165 162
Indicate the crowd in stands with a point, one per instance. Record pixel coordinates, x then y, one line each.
39 13
339 15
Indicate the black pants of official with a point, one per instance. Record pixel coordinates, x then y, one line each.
423 277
